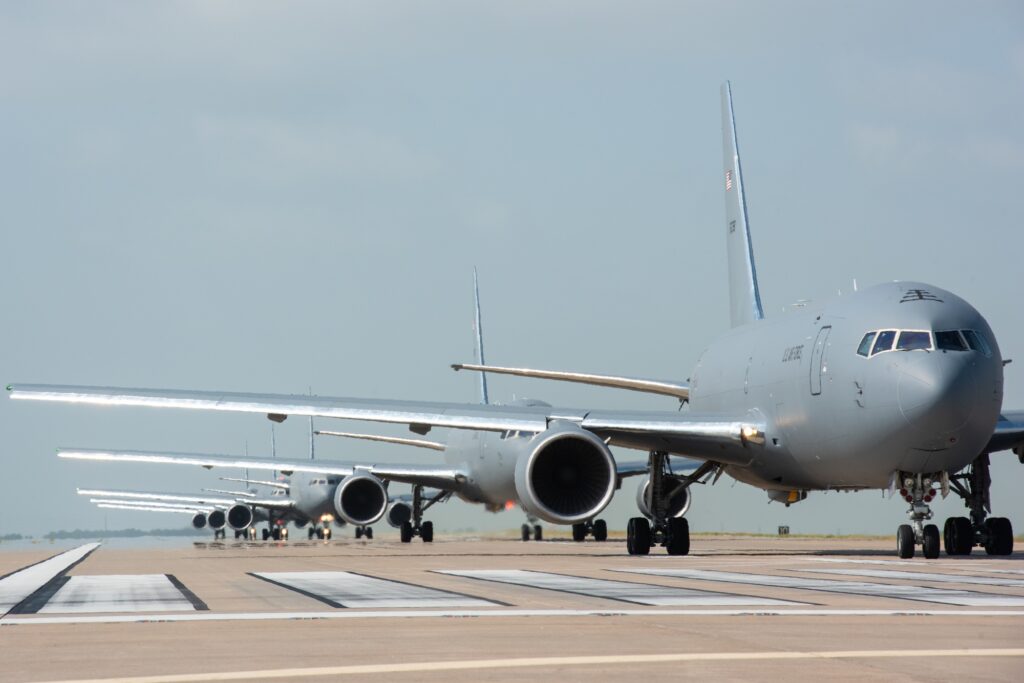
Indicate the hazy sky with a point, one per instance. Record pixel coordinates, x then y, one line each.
263 196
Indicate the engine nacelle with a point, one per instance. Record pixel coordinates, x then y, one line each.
360 499
399 514
199 521
566 475
678 503
240 517
216 519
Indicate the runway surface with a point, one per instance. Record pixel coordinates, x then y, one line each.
486 609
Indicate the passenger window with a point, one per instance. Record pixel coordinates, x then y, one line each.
884 341
914 341
950 340
977 342
865 344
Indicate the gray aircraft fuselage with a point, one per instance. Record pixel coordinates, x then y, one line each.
837 419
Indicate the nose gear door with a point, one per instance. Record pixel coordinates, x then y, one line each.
817 365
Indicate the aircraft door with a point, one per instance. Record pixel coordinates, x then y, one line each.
817 365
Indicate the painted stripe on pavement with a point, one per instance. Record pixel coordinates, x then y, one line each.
348 589
534 662
470 613
923 576
625 591
17 587
117 593
944 596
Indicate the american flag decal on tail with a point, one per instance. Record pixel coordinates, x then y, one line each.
728 180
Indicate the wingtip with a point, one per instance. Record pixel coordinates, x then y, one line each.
457 366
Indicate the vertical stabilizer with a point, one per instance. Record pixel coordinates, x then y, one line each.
744 295
478 328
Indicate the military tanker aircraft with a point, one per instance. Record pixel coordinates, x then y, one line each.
898 386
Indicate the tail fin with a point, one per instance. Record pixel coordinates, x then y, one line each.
479 340
744 295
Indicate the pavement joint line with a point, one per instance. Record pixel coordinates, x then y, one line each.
535 662
484 613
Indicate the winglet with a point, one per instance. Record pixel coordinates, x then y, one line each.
744 294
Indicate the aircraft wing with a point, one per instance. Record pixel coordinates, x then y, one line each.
437 477
1009 433
723 438
679 390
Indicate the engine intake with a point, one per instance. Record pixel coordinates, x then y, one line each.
360 499
199 521
216 519
678 502
399 514
566 476
240 517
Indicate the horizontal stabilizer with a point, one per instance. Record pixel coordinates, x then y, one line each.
649 386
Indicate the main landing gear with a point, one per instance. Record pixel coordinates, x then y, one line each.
536 531
671 532
959 534
596 528
321 533
417 527
364 532
277 533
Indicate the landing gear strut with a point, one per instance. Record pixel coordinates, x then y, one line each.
917 490
596 528
671 532
417 527
961 534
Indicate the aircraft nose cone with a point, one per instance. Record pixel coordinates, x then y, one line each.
936 392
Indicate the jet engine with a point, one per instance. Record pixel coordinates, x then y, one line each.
216 519
678 503
199 520
240 517
360 499
398 514
566 475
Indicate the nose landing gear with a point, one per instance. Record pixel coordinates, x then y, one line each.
917 490
597 528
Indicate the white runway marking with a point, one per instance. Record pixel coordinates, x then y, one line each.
118 593
944 596
497 613
346 589
640 593
16 587
533 662
963 564
923 576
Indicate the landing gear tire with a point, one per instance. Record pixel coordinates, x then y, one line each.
266 534
1000 536
930 542
958 536
427 532
905 541
579 532
600 530
678 541
405 532
368 533
638 536
311 533
538 532
359 532
525 530
327 533
276 534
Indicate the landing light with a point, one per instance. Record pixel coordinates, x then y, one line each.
326 518
752 435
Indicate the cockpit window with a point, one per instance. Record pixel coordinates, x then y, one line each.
949 340
884 341
865 344
913 340
977 342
